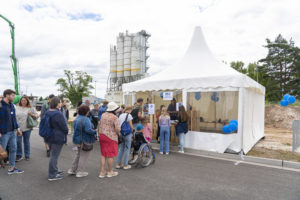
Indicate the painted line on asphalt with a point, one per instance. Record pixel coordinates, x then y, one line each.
245 162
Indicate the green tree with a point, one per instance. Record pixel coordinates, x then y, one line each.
41 98
239 66
75 85
281 68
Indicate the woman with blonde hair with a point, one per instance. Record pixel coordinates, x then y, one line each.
164 123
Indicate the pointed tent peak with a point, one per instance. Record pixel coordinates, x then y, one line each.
198 46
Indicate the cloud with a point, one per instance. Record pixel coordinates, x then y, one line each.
72 34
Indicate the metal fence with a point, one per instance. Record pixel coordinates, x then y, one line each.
296 136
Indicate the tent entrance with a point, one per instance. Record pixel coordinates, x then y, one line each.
210 111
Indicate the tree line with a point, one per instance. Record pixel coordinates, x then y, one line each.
279 71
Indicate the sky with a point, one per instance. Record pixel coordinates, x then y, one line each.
52 36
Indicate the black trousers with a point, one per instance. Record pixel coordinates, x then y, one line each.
158 131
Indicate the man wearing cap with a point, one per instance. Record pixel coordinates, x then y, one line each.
45 107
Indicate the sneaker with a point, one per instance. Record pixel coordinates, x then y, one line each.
81 174
102 175
133 160
180 151
58 177
71 172
60 172
109 175
127 167
19 158
161 153
167 153
15 171
27 159
48 153
75 148
119 166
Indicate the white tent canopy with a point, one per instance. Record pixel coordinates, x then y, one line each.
199 70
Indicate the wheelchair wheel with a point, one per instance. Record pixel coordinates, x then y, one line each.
145 155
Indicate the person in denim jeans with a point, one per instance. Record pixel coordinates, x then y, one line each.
124 148
9 128
22 112
83 132
164 123
182 127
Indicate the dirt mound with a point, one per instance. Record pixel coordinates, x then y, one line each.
281 117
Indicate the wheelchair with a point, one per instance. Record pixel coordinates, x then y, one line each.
145 156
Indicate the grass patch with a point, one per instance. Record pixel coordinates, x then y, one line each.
274 154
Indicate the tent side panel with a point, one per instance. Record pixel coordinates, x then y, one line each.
253 123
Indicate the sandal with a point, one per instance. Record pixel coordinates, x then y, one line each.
119 166
102 175
109 175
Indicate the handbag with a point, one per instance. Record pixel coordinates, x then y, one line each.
120 139
31 122
85 146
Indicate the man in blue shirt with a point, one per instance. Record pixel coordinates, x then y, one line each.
9 128
102 109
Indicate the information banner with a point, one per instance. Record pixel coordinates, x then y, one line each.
167 96
177 105
151 109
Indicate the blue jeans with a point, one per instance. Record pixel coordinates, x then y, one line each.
124 149
164 138
26 138
55 150
181 141
10 138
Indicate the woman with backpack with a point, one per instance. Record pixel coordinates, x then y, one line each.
182 127
54 129
84 137
125 121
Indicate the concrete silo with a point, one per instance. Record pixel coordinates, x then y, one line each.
113 64
128 61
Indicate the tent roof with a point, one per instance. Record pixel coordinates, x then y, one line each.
198 69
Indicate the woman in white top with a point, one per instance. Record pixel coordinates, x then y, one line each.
124 148
23 110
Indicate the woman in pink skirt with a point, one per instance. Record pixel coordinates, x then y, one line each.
109 129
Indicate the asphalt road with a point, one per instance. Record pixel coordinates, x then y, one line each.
172 177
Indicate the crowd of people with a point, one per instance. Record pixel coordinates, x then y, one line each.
112 125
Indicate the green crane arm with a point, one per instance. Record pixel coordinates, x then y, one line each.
13 58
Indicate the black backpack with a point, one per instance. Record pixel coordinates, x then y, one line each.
135 115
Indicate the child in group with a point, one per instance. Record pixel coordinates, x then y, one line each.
147 131
138 140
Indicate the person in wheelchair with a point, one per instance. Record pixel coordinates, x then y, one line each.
137 141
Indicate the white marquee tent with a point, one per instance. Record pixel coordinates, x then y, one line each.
200 71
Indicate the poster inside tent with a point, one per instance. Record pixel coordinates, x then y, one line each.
167 96
177 105
151 109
